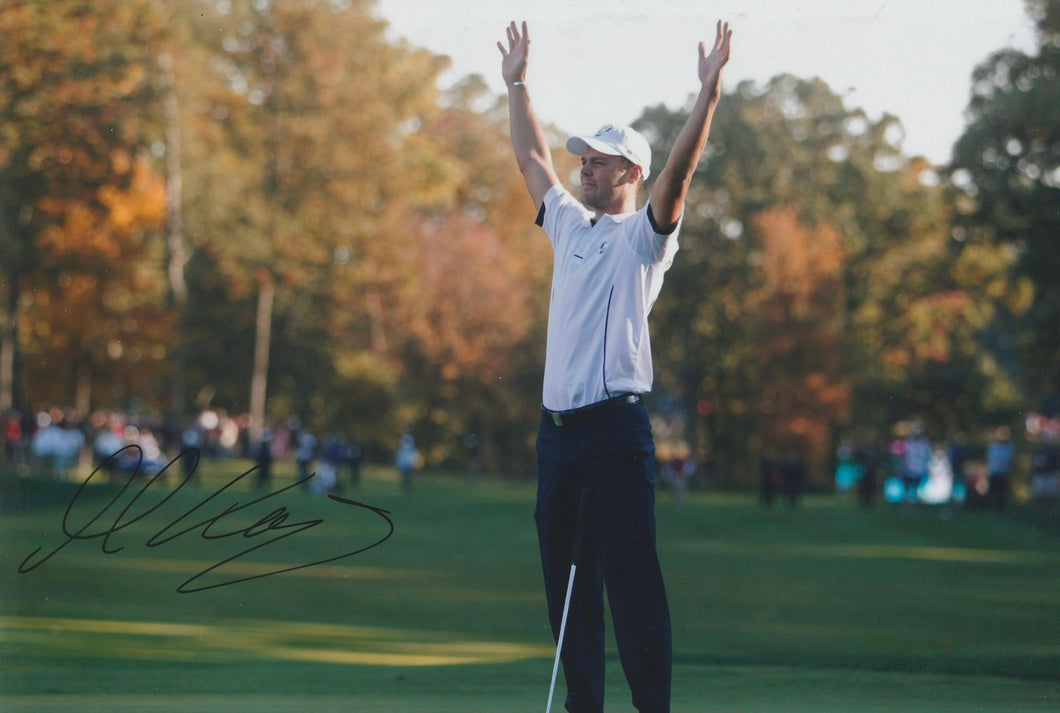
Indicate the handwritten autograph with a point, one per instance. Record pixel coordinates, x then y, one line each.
274 526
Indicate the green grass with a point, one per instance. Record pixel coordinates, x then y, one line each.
821 608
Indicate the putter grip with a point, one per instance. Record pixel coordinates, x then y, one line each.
577 547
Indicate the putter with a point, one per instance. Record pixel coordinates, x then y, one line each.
575 554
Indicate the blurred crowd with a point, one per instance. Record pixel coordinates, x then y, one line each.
983 472
907 467
55 442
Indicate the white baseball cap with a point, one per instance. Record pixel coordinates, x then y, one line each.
615 141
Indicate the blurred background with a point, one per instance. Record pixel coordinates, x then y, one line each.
250 225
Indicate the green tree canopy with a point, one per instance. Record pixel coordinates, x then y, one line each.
816 291
1006 166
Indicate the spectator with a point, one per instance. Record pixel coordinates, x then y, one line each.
263 460
329 469
108 441
678 470
794 477
1045 469
868 457
770 478
848 470
147 459
474 454
405 460
938 488
307 448
916 462
13 437
355 458
999 456
56 445
958 455
193 439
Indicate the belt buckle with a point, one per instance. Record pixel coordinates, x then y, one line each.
556 418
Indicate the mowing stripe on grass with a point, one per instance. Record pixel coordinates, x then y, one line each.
375 574
255 640
933 554
189 566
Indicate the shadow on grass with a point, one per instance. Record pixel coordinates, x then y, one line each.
20 494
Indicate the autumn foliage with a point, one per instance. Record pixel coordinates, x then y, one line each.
359 251
800 303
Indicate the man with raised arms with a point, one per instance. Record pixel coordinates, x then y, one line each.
594 436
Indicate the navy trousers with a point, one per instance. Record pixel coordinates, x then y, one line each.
608 453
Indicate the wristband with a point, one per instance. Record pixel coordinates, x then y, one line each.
519 84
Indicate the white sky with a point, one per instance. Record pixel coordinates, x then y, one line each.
911 58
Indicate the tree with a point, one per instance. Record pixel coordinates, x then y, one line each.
79 200
817 289
302 160
751 339
467 315
1006 170
323 165
799 305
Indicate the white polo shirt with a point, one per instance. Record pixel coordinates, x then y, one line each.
605 279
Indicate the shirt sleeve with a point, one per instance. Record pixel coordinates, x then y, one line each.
665 230
560 213
654 245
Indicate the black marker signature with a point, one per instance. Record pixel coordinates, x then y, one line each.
274 525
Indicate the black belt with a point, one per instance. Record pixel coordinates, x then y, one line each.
574 415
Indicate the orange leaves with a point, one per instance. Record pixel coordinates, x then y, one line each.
142 205
802 263
78 112
466 308
799 303
107 228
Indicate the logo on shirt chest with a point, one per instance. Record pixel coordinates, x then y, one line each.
600 250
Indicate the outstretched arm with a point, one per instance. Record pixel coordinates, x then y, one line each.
668 195
528 138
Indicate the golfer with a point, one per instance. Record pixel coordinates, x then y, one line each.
594 435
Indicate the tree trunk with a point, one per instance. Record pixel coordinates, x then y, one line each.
12 281
9 343
83 389
8 340
262 339
176 252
